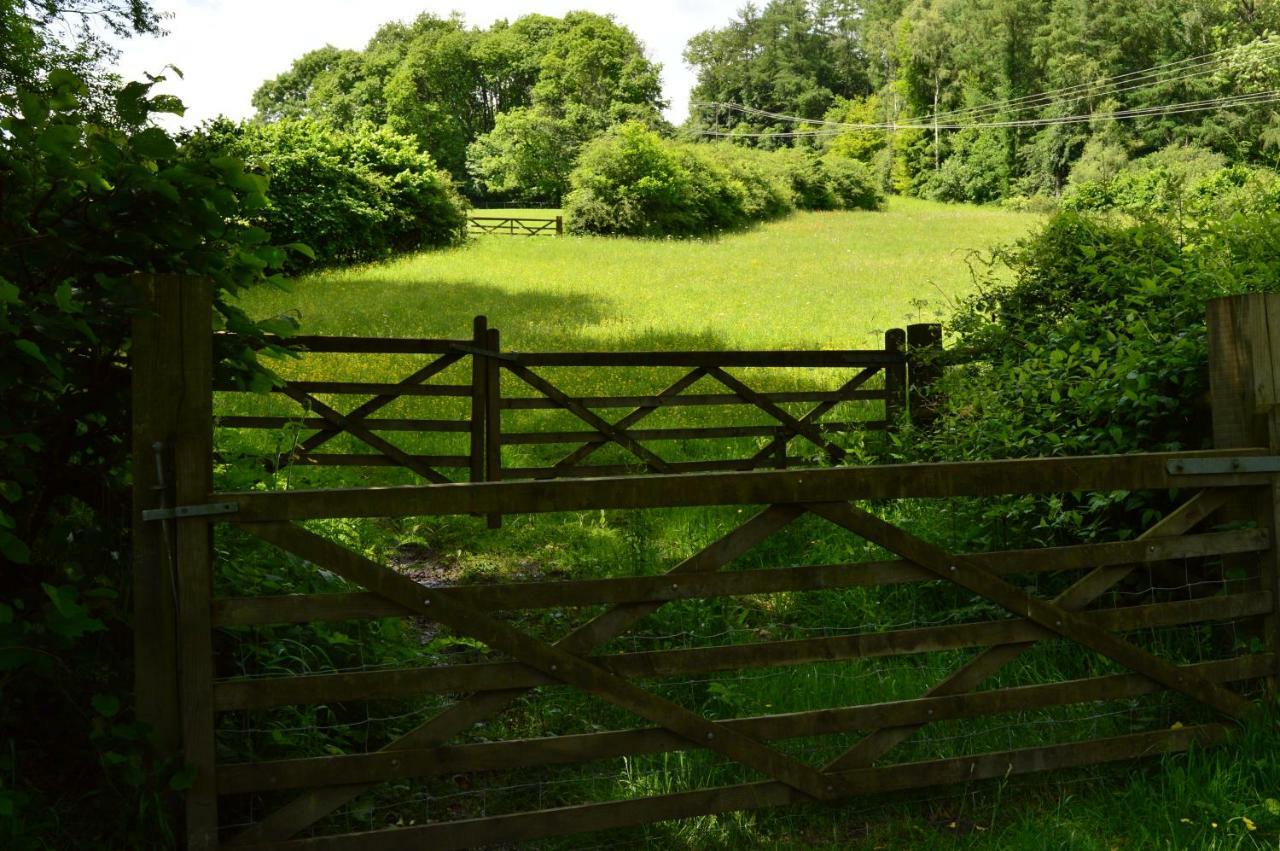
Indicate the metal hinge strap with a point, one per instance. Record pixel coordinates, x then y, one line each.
181 511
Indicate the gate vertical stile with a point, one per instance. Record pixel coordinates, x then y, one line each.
479 399
1244 381
895 377
493 415
924 350
193 482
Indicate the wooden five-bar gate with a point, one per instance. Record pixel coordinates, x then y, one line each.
1225 517
516 225
911 358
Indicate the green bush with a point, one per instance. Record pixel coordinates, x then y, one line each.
351 196
1178 181
1089 338
634 182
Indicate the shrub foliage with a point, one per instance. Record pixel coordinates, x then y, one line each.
632 181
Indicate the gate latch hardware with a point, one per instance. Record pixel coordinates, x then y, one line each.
191 511
1224 466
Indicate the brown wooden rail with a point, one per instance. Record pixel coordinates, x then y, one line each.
1227 514
516 225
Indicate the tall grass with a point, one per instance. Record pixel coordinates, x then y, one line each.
816 279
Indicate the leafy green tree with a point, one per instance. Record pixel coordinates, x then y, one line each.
527 156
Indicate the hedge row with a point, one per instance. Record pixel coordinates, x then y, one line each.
349 196
632 181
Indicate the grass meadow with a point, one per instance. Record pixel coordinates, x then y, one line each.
824 280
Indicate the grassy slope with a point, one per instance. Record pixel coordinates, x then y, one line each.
825 279
833 279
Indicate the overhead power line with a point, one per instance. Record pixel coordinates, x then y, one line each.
1208 104
1187 69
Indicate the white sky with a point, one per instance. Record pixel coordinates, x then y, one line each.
226 48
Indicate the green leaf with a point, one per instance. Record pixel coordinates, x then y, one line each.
14 549
303 249
154 143
106 705
183 778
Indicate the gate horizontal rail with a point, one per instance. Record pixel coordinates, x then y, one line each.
1223 528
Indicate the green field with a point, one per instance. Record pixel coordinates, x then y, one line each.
827 280
815 279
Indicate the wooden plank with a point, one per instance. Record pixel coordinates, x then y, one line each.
304 608
895 376
617 435
589 471
492 830
493 418
1084 591
318 343
373 424
382 766
532 403
806 430
359 459
377 403
262 693
538 438
479 401
829 358
362 388
550 660
193 480
971 573
355 429
305 810
924 348
889 481
843 394
594 440
156 374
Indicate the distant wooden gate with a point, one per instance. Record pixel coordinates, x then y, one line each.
1232 484
906 368
516 225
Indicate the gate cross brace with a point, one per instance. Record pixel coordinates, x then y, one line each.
617 435
582 452
571 669
354 428
971 573
1080 594
841 395
803 428
375 404
304 810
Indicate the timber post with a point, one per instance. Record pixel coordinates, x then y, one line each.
493 418
924 351
895 377
559 226
479 398
1244 384
172 361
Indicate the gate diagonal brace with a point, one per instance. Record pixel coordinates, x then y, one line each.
969 572
305 810
569 668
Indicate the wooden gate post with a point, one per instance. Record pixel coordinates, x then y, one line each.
172 361
479 398
895 377
493 419
924 349
1244 383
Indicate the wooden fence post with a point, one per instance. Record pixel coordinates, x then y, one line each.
1244 383
172 359
895 377
493 418
924 352
479 398
157 383
559 226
